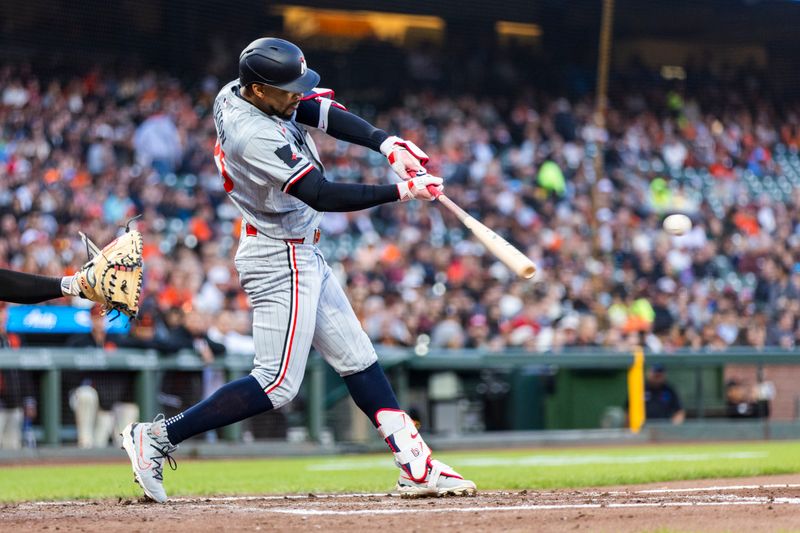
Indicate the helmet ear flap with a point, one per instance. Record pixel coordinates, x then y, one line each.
248 68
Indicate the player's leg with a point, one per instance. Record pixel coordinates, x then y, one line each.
283 285
24 288
341 340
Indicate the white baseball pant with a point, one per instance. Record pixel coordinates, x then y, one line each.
297 302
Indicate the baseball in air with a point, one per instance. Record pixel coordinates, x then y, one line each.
677 224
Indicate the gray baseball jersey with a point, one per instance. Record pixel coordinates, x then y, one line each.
260 157
297 301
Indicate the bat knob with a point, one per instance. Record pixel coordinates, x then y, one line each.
431 188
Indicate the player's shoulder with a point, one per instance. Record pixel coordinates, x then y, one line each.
225 96
243 120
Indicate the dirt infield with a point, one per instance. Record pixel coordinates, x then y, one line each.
754 504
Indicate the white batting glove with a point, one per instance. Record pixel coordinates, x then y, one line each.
416 188
405 157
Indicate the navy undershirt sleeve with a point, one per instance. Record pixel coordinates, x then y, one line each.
325 196
24 288
342 125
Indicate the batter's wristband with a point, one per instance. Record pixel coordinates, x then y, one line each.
386 146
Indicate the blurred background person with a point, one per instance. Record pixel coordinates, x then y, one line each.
103 402
660 399
17 397
745 400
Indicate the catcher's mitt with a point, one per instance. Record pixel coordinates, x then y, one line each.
113 275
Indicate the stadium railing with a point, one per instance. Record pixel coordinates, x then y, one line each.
567 390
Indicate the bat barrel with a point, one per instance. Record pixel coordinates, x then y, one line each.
515 260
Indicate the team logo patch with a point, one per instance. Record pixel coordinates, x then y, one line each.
286 155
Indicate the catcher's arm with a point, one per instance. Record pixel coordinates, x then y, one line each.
113 276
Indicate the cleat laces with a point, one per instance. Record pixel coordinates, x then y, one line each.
163 452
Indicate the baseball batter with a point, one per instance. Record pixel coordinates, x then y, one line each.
272 172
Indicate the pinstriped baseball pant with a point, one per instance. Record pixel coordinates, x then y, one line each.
297 303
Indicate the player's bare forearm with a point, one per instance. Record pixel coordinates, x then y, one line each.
340 124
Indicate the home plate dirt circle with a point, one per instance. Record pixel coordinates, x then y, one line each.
755 504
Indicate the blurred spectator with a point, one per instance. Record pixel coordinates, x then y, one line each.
448 333
103 402
192 334
158 143
587 334
94 426
233 330
141 333
85 152
17 399
102 414
783 333
567 331
661 400
97 337
748 401
477 332
195 330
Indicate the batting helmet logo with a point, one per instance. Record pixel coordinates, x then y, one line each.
302 65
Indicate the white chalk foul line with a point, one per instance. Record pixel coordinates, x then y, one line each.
194 499
595 493
286 497
708 489
542 507
729 500
544 460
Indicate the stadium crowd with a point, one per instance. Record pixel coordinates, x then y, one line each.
87 153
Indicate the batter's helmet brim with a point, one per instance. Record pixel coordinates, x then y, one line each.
303 84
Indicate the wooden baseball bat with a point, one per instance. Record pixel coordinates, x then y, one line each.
515 260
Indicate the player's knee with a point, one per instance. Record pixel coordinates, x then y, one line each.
279 395
354 367
365 364
282 395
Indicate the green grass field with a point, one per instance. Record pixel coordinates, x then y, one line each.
517 469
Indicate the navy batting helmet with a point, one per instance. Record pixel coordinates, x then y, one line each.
277 63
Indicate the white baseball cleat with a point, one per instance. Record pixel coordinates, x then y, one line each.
440 481
147 446
420 476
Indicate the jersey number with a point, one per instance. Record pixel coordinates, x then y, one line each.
219 159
